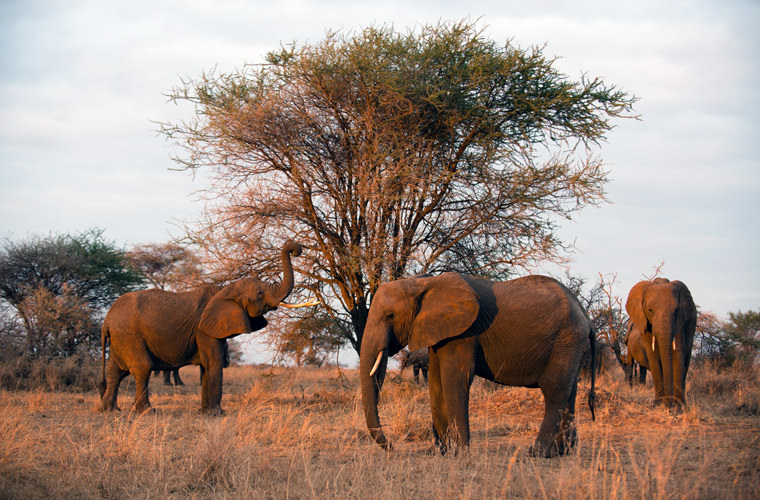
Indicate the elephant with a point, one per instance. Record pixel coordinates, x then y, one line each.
418 360
636 355
168 374
529 332
665 314
174 373
160 330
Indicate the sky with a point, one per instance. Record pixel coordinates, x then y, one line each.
83 86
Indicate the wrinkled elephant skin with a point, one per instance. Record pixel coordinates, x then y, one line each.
159 330
529 332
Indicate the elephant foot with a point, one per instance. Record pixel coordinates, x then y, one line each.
142 409
215 411
540 450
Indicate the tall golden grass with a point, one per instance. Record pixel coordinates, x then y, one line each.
300 433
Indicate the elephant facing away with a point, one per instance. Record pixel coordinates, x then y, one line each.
529 332
159 330
665 314
636 355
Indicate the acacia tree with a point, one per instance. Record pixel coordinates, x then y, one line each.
389 154
168 266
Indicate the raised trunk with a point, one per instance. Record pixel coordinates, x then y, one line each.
371 385
279 291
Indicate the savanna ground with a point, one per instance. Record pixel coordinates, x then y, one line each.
300 433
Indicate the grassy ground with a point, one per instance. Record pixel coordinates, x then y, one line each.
300 433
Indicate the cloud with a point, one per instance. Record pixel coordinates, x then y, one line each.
84 82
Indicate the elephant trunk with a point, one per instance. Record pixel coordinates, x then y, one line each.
373 361
663 332
279 291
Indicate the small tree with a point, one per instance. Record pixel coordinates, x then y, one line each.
309 339
59 286
389 154
605 310
168 266
743 330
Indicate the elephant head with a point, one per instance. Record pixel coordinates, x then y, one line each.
665 314
419 313
240 306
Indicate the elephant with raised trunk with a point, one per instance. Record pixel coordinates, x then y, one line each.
159 330
529 332
665 314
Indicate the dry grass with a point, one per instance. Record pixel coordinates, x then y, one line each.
300 433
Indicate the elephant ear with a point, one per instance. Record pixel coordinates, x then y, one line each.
685 302
224 317
448 306
635 305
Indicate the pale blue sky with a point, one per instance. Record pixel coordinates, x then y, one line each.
83 81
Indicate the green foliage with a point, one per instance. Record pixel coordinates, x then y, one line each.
55 289
92 268
389 154
728 343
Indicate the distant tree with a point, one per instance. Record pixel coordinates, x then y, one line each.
605 310
744 330
168 266
310 339
389 154
59 286
710 340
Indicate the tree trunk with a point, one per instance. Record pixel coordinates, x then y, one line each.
359 316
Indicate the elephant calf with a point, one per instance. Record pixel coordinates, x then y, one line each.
418 360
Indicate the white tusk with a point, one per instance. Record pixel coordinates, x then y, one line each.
674 344
312 302
653 343
377 363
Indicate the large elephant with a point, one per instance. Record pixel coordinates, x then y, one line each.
636 355
159 330
665 314
529 332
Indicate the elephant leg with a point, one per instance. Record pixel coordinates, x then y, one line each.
567 437
425 374
642 375
141 372
177 380
457 368
679 377
416 374
559 386
114 376
437 403
212 362
167 377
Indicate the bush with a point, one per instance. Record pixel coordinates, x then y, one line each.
73 374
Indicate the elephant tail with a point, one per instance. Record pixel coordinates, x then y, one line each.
104 336
592 392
